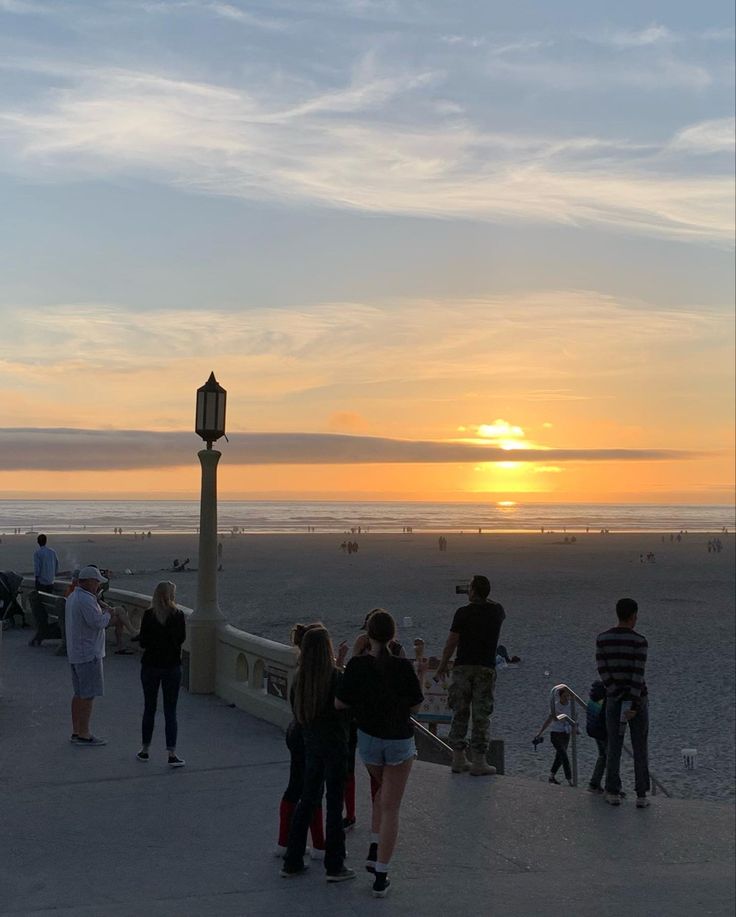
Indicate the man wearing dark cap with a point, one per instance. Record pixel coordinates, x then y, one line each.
474 634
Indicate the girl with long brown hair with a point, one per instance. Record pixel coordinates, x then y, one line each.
325 744
293 791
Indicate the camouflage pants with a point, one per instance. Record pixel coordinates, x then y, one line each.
471 689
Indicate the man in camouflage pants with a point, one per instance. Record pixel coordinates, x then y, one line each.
474 633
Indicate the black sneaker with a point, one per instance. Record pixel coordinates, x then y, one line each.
176 761
288 873
348 824
341 876
142 755
74 737
381 885
370 860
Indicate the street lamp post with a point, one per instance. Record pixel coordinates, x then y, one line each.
202 638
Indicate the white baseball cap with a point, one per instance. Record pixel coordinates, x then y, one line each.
91 572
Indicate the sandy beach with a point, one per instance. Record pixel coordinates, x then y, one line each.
557 597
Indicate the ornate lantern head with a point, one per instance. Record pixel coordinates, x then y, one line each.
210 415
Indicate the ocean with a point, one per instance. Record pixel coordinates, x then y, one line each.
182 516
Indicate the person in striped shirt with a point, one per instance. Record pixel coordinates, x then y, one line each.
621 657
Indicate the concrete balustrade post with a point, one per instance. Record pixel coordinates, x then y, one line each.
203 622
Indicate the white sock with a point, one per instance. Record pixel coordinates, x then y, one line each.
381 867
374 837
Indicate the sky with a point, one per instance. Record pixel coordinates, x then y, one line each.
433 251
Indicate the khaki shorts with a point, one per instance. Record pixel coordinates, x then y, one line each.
88 679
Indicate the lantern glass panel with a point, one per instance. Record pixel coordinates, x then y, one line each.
221 412
200 411
211 411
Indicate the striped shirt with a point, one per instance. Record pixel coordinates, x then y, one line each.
621 657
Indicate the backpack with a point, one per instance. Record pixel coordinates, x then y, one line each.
595 713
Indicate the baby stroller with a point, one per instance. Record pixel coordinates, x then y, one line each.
10 584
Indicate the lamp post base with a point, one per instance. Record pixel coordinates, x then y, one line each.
202 642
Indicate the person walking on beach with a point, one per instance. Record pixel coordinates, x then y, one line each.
163 630
325 732
621 657
45 569
383 691
559 733
474 634
85 624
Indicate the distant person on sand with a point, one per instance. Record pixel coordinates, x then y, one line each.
621 656
163 630
560 703
474 633
85 645
384 691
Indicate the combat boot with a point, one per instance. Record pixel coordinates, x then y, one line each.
460 763
480 767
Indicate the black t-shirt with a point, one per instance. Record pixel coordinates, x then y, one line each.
161 643
382 693
479 627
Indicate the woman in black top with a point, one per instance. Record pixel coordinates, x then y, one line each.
383 690
163 630
325 745
361 647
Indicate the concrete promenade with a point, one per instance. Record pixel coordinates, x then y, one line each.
93 832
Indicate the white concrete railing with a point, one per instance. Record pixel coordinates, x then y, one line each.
252 672
255 674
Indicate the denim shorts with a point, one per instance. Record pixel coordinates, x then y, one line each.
384 751
87 679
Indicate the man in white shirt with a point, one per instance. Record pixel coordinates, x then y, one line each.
85 646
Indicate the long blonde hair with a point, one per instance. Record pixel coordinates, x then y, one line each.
163 601
314 675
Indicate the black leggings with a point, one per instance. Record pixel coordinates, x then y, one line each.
560 741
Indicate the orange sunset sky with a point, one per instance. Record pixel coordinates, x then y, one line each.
471 229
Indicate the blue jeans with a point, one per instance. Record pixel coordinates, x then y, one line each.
639 729
326 763
169 680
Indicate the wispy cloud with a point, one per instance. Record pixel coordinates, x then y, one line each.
653 34
96 450
715 136
341 148
25 7
549 348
